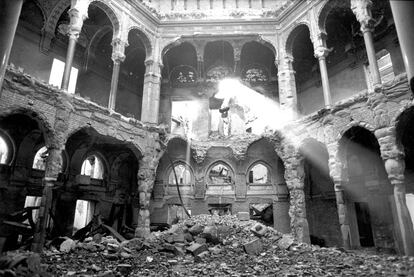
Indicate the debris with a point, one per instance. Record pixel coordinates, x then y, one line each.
240 253
196 248
243 216
253 247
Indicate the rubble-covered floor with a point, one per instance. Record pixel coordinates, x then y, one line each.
204 246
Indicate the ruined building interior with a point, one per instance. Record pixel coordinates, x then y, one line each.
295 113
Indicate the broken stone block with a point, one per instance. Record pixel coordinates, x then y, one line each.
210 233
136 244
259 229
188 237
285 242
196 248
196 230
253 247
179 251
67 245
243 216
178 237
200 240
200 257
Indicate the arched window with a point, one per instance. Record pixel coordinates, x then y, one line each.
93 166
220 174
184 175
39 161
259 174
5 150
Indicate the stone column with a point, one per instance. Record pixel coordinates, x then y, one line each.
295 176
321 53
9 18
151 92
118 56
287 85
362 11
404 21
77 13
335 171
54 164
146 179
395 167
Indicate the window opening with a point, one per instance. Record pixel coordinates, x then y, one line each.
220 174
259 174
4 151
40 158
183 175
93 167
219 209
33 201
83 214
385 66
56 75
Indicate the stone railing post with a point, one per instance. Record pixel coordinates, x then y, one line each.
118 56
77 13
395 167
9 18
287 85
294 176
151 93
362 11
335 171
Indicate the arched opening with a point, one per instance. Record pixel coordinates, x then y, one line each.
266 187
258 69
347 62
39 161
367 190
321 209
131 78
181 107
94 81
93 167
27 41
166 205
308 85
183 173
220 174
21 133
218 60
259 174
102 174
6 149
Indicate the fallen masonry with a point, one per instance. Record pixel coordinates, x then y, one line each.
233 249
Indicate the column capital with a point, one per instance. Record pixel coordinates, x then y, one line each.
322 52
362 11
78 12
118 50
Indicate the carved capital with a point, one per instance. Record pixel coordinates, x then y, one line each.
362 11
322 52
118 50
77 14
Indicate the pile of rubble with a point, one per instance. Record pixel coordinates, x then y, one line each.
211 246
